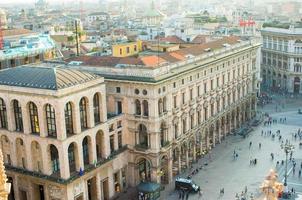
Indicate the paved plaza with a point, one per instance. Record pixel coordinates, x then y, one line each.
223 171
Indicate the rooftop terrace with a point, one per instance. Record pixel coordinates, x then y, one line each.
26 46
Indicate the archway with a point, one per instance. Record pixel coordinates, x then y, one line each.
176 161
164 170
36 156
296 85
99 140
144 170
73 158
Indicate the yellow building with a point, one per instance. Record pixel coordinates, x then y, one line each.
127 49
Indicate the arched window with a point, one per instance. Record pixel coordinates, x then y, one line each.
71 158
192 121
96 108
143 135
145 108
160 106
176 130
68 119
51 120
85 151
3 115
137 107
83 113
54 156
18 116
163 134
34 119
184 124
144 167
164 104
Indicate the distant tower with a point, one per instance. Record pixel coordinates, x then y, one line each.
41 5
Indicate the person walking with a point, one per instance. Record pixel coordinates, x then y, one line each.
259 145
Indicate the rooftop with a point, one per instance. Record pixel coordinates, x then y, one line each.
44 77
25 46
296 31
155 61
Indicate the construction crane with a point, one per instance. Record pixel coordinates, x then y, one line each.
1 36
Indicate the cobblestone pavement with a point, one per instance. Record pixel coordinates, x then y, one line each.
223 171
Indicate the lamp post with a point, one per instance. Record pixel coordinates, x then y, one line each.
288 148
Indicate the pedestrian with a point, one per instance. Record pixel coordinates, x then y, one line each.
294 171
187 196
251 144
299 173
259 145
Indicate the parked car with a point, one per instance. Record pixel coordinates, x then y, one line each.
186 184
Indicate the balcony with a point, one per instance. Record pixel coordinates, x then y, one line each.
73 176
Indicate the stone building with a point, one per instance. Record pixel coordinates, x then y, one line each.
63 131
180 108
281 65
57 140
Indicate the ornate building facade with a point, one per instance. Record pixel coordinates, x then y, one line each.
282 59
56 137
63 131
179 110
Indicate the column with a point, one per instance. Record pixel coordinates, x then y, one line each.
25 117
60 123
219 134
90 113
80 155
28 158
43 131
76 119
64 163
179 163
98 186
170 166
187 158
92 150
10 116
194 152
45 160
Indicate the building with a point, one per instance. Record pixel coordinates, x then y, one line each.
282 59
152 16
178 105
57 138
126 49
22 47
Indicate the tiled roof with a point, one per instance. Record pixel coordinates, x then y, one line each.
16 32
200 39
154 60
173 39
49 78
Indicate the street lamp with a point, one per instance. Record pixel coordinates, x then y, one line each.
288 148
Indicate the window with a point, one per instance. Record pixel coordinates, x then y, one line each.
174 101
120 139
135 48
183 98
145 108
143 135
118 90
85 151
96 108
117 182
204 88
174 85
83 113
54 156
223 79
212 84
111 143
119 107
68 119
3 115
229 76
145 92
191 94
34 119
121 51
128 50
183 81
136 91
198 90
51 120
137 107
234 74
18 116
217 82
190 78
